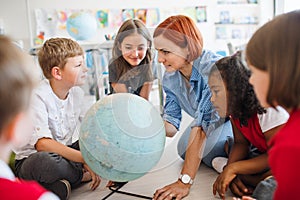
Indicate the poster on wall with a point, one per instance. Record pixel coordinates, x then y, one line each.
115 18
46 25
153 17
201 14
102 18
141 14
53 22
62 18
127 14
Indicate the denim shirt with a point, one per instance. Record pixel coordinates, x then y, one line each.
194 100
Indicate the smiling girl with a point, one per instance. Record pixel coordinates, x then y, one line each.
130 67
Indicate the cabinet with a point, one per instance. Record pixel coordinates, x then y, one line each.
236 20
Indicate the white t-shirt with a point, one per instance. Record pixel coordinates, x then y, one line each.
53 117
272 118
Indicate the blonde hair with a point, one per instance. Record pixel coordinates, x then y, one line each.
16 82
55 52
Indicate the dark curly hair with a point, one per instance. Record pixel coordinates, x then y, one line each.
242 101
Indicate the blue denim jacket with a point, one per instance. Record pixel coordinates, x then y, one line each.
194 100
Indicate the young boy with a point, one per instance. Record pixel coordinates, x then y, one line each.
15 89
52 156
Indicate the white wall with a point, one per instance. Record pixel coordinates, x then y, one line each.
14 17
18 15
283 6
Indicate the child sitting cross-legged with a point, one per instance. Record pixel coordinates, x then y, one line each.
52 156
253 126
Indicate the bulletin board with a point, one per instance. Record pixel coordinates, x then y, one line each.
48 18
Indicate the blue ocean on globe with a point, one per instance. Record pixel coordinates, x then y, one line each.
81 26
122 137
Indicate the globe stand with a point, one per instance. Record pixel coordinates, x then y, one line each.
117 190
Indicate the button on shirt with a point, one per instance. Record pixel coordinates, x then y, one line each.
53 117
194 97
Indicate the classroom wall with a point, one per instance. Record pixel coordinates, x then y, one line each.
19 20
14 18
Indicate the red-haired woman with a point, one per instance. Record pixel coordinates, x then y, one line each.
180 49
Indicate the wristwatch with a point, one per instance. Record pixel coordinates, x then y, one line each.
186 179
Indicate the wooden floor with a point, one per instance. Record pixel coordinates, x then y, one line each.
166 171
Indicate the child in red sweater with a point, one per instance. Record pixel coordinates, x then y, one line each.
15 129
273 55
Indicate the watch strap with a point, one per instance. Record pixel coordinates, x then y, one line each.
191 181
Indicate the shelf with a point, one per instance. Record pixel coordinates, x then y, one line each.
236 2
237 16
220 23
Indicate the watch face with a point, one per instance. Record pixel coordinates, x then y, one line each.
185 178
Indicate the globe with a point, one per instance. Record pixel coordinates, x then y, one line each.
122 137
81 25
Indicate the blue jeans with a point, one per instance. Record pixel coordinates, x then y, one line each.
214 146
265 189
47 168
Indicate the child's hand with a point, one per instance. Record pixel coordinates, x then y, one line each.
110 183
223 181
244 198
86 177
95 178
238 188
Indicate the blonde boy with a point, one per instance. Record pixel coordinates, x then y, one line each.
52 157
